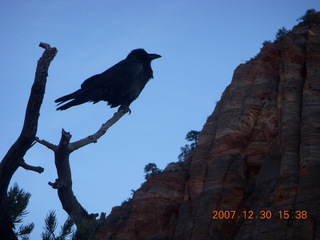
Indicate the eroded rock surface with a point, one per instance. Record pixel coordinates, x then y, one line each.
259 151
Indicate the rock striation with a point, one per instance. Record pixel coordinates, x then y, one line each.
256 168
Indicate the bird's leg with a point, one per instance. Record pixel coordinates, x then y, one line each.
124 108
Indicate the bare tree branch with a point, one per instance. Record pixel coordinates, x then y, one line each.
12 160
46 143
63 184
26 166
94 137
57 184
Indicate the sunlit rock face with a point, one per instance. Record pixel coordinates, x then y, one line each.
257 161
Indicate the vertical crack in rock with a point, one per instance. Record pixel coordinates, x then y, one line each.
258 152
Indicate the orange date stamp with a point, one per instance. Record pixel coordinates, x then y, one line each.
263 214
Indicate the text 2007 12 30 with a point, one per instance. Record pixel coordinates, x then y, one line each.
263 214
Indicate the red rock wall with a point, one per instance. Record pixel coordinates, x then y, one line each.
258 153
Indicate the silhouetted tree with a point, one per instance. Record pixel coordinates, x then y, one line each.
282 32
309 17
51 225
150 170
14 158
18 201
192 136
87 224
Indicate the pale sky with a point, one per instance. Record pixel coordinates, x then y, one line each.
201 43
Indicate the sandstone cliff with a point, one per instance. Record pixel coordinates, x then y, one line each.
258 154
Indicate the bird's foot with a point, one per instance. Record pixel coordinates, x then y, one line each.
124 108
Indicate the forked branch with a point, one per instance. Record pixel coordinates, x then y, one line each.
63 183
14 157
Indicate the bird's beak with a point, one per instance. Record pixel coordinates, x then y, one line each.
153 56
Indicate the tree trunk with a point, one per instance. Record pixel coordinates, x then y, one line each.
14 157
86 223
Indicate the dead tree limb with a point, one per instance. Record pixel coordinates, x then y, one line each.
94 137
64 181
26 166
14 157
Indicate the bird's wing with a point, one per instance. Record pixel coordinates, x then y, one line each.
121 74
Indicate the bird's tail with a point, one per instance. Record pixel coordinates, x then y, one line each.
76 96
67 97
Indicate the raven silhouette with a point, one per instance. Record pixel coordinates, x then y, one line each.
120 85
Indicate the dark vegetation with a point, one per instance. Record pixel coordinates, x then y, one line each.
192 136
150 170
311 16
15 155
187 149
13 203
282 32
18 201
51 225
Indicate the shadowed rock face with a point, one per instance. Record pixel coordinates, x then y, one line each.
258 151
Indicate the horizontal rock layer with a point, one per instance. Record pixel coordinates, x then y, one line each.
258 155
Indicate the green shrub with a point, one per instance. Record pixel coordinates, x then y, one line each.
309 17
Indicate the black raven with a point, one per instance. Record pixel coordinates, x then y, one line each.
120 85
